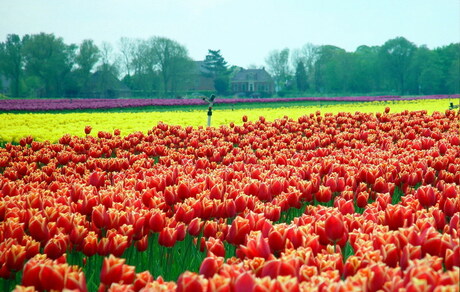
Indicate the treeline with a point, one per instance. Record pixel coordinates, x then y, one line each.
396 67
43 65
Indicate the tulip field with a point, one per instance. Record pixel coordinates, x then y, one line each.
291 199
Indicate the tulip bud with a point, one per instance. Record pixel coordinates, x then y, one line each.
189 281
15 257
334 227
209 267
88 130
426 196
244 282
168 237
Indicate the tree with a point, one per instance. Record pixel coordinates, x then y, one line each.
330 69
107 72
301 77
396 56
449 57
50 60
217 69
127 49
215 63
87 57
278 65
366 74
308 55
11 61
172 62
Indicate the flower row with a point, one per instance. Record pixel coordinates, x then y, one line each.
91 103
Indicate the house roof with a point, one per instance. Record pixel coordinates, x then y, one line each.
259 75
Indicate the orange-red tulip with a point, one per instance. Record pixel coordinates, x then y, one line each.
334 227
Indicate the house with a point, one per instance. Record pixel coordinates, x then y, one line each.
252 82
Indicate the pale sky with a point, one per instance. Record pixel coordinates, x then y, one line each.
244 30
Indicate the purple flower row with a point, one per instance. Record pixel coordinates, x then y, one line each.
77 104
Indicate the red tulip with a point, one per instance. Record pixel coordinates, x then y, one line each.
209 266
32 248
56 246
157 221
88 130
426 196
397 216
194 227
142 279
118 244
180 231
210 229
324 194
52 277
344 206
99 216
334 227
352 265
238 231
378 277
15 257
215 246
362 199
97 179
168 237
89 245
244 282
103 246
277 239
38 228
75 280
255 247
391 255
452 258
31 271
275 268
450 206
190 282
112 270
380 185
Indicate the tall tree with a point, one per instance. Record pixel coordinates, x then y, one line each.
396 57
50 59
107 72
330 72
301 77
87 57
449 57
127 48
172 62
308 54
11 61
278 65
217 69
366 74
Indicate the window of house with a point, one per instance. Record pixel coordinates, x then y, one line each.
251 87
